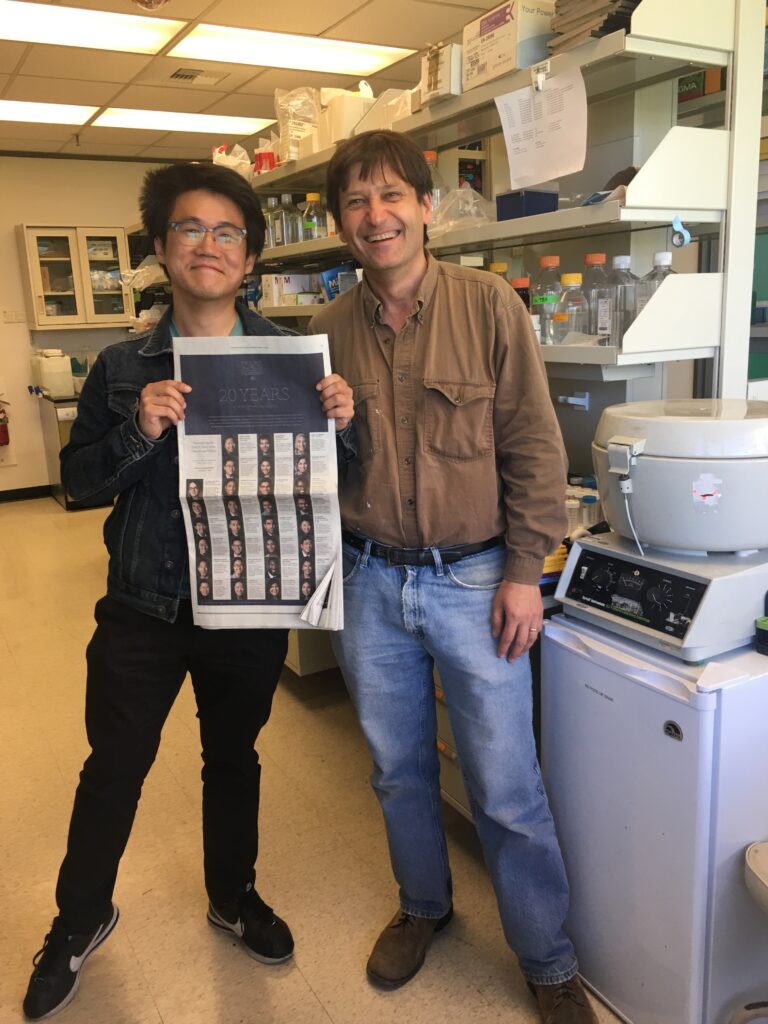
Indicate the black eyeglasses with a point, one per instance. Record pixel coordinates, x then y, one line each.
192 232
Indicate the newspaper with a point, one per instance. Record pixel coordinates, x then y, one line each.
258 483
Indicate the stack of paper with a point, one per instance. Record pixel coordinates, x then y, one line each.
576 21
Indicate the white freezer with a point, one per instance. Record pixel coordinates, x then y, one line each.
657 773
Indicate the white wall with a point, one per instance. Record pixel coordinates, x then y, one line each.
49 193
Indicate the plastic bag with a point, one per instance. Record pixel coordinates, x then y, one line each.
297 114
237 160
461 208
148 272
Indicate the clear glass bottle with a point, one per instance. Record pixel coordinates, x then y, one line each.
314 218
625 283
269 216
573 513
545 295
286 222
522 286
572 311
439 187
646 286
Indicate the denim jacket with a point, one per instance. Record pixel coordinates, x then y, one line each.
108 456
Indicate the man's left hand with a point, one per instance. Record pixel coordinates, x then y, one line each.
336 398
516 618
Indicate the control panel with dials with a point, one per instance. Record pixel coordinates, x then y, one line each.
658 599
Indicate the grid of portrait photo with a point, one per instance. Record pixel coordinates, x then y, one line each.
202 573
274 567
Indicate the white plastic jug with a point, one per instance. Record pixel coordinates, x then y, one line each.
52 371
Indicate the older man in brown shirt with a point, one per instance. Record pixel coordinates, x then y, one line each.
453 499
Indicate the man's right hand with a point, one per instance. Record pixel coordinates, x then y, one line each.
161 405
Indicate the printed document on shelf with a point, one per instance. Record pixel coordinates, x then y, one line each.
258 483
545 131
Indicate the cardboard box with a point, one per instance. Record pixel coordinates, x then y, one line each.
440 73
690 87
512 35
344 112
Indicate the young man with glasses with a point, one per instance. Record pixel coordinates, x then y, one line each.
449 508
208 231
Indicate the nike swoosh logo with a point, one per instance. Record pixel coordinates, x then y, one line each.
76 962
239 928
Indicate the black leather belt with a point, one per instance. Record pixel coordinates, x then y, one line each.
419 556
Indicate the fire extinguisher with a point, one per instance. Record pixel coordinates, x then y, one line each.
4 435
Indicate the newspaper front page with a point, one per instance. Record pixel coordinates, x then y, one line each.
258 483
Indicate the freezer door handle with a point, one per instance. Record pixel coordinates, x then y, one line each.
624 664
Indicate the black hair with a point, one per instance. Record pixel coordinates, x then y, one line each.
163 187
374 151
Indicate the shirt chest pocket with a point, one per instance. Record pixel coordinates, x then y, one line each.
458 419
367 417
123 399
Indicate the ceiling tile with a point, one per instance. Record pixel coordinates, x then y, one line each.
100 149
243 106
161 153
145 97
14 145
60 90
122 136
408 71
81 64
410 23
280 78
307 17
10 55
21 130
176 9
229 77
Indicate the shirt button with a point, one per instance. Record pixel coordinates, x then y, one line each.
168 563
407 460
403 419
402 378
175 513
410 502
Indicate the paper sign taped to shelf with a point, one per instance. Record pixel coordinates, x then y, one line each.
545 131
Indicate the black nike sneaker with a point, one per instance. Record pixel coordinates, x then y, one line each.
58 964
265 936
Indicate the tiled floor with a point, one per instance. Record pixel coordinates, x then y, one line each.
323 862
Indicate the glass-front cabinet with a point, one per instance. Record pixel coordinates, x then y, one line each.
73 276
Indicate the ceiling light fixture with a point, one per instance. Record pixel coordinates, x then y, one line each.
75 26
278 50
172 121
45 113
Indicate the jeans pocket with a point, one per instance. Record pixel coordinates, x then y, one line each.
350 560
483 571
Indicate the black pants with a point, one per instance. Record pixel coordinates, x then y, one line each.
136 665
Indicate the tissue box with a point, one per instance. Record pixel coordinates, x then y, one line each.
523 203
512 35
440 73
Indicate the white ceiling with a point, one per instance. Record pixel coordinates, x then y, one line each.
62 74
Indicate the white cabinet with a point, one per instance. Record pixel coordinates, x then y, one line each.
72 276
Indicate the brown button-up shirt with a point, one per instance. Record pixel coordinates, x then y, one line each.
457 440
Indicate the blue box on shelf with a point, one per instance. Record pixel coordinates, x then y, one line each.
524 203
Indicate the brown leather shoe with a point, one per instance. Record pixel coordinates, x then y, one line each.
563 1004
400 949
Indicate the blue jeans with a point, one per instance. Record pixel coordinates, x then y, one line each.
400 621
